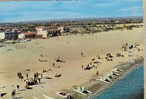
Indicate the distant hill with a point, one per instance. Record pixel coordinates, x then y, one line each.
75 20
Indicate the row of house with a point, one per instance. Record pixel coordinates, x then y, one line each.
41 32
9 35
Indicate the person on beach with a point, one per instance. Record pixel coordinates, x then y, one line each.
119 55
20 76
26 75
125 47
98 57
82 67
138 49
87 67
93 59
13 93
44 70
37 74
36 78
27 86
39 80
109 55
94 66
97 73
41 75
49 69
18 87
82 53
90 63
53 64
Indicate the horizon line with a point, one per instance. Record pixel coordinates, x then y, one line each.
61 19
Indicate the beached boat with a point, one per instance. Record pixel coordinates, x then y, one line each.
104 80
107 79
62 94
82 90
117 70
115 73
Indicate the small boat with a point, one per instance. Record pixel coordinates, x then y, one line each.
107 79
110 76
103 80
62 94
82 90
115 73
119 70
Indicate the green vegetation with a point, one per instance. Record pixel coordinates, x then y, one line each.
79 26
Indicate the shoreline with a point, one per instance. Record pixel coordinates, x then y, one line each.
119 84
104 86
121 77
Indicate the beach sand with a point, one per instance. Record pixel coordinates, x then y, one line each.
21 56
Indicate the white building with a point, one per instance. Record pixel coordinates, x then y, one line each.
42 31
2 35
21 36
61 29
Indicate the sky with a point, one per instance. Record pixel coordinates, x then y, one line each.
16 11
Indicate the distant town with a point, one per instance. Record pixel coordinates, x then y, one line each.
19 31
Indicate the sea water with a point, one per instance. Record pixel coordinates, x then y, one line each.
130 87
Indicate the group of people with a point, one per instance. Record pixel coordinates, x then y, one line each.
36 79
109 57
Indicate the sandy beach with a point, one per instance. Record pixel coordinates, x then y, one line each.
39 54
